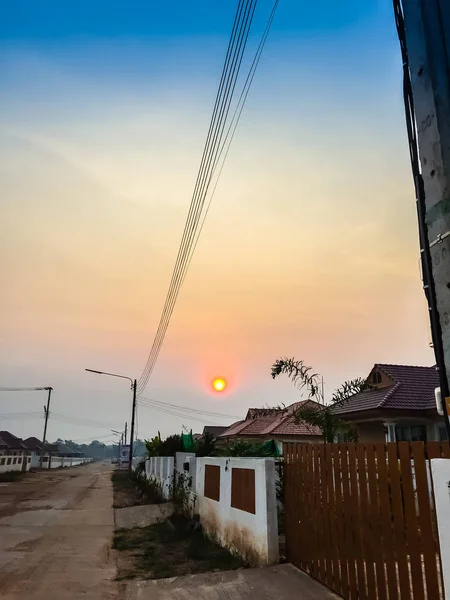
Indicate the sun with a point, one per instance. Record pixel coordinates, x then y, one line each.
219 384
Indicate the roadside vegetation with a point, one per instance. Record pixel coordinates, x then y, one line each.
168 549
132 490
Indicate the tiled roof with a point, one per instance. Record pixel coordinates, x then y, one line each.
412 388
279 422
214 430
32 443
10 441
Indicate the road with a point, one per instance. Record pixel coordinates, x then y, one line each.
55 536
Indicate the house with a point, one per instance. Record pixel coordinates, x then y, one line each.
261 425
401 406
215 431
36 449
13 453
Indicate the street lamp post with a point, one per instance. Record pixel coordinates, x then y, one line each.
133 410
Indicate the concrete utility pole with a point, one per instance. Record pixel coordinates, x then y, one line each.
426 34
126 426
47 412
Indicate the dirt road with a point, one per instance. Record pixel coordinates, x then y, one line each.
55 536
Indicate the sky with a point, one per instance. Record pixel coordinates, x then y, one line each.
310 248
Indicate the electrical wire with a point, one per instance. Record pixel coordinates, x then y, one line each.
195 203
189 409
80 421
230 73
20 415
177 414
425 251
23 389
236 118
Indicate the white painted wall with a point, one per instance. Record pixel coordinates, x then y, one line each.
161 468
253 536
440 469
12 466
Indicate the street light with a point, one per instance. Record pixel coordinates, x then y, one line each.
133 410
119 434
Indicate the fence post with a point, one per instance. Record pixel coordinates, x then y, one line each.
440 470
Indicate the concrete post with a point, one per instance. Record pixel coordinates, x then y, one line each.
440 470
427 33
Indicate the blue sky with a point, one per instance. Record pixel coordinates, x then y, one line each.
310 247
54 20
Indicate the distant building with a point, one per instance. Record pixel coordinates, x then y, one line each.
13 453
36 449
279 425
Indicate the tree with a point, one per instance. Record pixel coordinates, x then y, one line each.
320 414
168 447
206 445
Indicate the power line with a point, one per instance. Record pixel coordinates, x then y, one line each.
22 389
177 414
80 421
230 73
236 118
20 415
189 409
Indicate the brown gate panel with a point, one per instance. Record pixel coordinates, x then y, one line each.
212 482
361 518
243 489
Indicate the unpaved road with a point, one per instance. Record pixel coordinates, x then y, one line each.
55 536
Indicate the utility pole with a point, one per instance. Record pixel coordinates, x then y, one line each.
133 415
424 33
47 412
126 426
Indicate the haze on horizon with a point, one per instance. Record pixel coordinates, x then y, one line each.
310 248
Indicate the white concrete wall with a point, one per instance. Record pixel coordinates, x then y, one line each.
12 466
253 536
190 476
161 468
440 469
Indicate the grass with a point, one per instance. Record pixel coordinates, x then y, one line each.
127 492
10 476
169 549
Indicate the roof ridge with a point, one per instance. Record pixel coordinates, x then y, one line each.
407 366
390 393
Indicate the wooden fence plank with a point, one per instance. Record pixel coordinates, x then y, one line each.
446 450
357 520
289 524
433 450
321 549
411 523
348 522
311 548
300 503
366 537
386 521
326 508
375 529
425 520
331 520
342 553
398 522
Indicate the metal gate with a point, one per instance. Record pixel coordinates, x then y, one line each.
360 518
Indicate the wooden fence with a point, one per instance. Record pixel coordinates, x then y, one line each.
360 518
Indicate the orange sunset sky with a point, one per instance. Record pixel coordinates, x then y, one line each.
310 248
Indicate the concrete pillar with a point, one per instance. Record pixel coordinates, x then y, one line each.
427 33
440 470
390 432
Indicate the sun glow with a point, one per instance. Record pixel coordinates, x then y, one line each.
219 384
